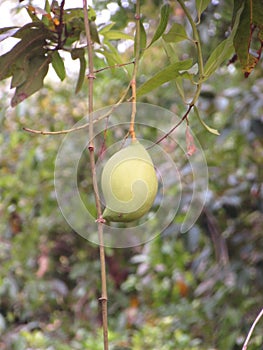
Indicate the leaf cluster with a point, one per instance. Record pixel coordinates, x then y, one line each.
51 31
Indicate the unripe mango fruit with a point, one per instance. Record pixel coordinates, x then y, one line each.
129 184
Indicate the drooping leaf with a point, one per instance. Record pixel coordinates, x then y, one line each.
167 74
251 19
208 128
38 67
20 74
33 38
58 65
180 87
201 5
21 68
165 12
31 28
171 51
80 54
223 51
176 34
143 40
94 32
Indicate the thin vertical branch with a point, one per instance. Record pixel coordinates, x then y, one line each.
91 78
252 329
135 69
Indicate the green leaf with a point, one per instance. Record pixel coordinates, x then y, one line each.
165 12
38 67
94 32
143 40
222 51
32 15
32 27
189 73
58 65
211 130
91 13
180 87
106 28
201 5
176 34
171 51
111 57
117 35
21 69
20 74
73 13
111 54
167 74
80 54
46 19
34 38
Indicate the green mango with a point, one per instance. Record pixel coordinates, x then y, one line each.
129 184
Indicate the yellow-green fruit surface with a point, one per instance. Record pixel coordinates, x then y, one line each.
129 184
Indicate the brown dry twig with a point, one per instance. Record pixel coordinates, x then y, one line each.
67 131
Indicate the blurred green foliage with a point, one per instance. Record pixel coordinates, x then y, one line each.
200 290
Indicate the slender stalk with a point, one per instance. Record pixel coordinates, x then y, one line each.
252 329
91 78
117 65
67 131
135 69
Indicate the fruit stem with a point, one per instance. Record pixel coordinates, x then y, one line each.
133 113
135 70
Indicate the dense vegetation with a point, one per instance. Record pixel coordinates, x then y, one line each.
197 290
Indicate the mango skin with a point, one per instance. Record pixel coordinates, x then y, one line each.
129 184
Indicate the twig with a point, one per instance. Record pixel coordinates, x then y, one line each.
59 132
91 77
184 117
117 65
252 329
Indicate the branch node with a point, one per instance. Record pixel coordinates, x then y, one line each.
103 299
101 220
91 76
